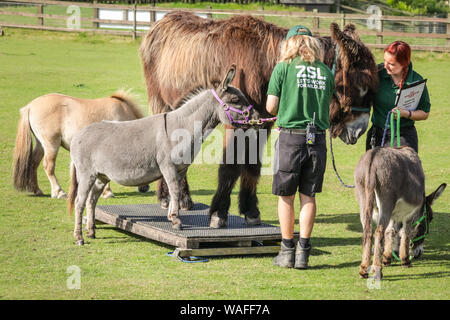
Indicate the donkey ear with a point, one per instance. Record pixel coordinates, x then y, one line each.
345 41
436 194
228 78
350 30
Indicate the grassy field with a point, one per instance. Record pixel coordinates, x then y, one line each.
36 233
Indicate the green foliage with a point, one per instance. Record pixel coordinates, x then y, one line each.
420 6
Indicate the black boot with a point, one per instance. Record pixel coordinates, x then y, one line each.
302 257
285 257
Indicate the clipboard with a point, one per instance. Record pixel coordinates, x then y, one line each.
409 96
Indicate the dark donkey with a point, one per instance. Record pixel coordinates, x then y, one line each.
390 188
182 52
148 149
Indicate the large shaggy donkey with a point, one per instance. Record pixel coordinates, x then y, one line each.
182 52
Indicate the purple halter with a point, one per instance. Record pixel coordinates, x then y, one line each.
246 112
227 110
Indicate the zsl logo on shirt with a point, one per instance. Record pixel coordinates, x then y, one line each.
310 77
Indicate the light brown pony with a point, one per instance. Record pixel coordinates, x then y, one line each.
54 119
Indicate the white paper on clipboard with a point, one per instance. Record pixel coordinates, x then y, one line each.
410 95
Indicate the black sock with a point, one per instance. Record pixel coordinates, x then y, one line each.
304 242
288 242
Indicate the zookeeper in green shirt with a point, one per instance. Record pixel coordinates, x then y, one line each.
299 93
393 74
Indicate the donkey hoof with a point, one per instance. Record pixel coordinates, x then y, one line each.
80 242
186 204
62 195
38 193
144 189
107 195
363 272
216 222
387 261
165 203
176 224
90 234
59 195
253 221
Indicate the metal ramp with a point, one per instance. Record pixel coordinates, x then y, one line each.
195 238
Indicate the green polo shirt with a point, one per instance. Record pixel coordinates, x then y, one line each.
385 97
303 88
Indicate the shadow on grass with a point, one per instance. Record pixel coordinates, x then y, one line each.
408 276
335 266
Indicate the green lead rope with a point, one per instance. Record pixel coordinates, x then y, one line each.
390 116
398 128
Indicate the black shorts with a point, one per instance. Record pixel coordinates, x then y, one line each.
408 137
298 165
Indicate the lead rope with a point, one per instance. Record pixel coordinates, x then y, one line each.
391 117
333 71
334 165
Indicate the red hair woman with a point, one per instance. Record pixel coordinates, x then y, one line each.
393 74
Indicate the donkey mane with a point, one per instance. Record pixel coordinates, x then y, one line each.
191 95
129 98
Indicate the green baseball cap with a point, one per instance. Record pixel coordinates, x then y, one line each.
298 30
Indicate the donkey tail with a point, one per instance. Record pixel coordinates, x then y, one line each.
23 152
73 190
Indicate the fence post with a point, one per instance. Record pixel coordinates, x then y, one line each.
134 20
380 33
152 16
316 22
343 20
95 24
40 10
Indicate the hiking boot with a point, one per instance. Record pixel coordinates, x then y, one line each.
302 257
285 257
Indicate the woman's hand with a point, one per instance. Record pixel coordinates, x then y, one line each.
413 115
403 112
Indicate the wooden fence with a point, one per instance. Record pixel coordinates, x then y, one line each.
437 29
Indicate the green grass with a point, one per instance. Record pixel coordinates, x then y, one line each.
36 233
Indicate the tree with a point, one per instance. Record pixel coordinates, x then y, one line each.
420 6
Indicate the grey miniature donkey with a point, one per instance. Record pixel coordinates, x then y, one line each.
390 188
135 153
